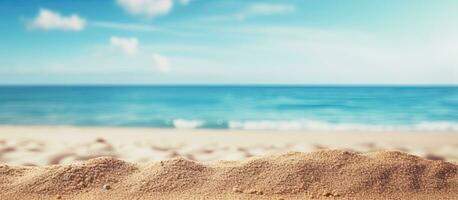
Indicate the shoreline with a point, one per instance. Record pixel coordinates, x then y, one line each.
425 138
275 126
5 126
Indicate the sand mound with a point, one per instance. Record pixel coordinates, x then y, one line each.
322 174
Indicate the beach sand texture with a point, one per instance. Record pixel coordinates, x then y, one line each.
325 174
136 163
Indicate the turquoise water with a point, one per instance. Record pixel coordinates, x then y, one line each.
234 107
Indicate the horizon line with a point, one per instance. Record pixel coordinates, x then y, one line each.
230 85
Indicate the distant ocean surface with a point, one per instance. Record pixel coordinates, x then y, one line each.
311 108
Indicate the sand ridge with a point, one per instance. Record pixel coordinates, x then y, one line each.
322 174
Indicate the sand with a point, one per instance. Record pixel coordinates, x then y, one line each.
133 163
42 145
325 174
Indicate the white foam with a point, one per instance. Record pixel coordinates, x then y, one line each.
265 125
433 126
326 126
187 124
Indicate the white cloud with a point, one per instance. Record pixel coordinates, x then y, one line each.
148 8
128 45
48 20
161 63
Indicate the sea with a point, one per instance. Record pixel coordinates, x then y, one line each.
274 107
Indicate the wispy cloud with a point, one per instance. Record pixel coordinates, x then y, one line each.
53 20
124 26
50 20
128 46
255 10
259 9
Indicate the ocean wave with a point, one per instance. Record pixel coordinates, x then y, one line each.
326 126
187 124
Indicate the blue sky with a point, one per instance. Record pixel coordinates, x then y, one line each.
229 42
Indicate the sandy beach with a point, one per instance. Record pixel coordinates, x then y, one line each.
228 100
99 163
47 145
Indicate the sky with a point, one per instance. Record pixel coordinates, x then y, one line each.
228 42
